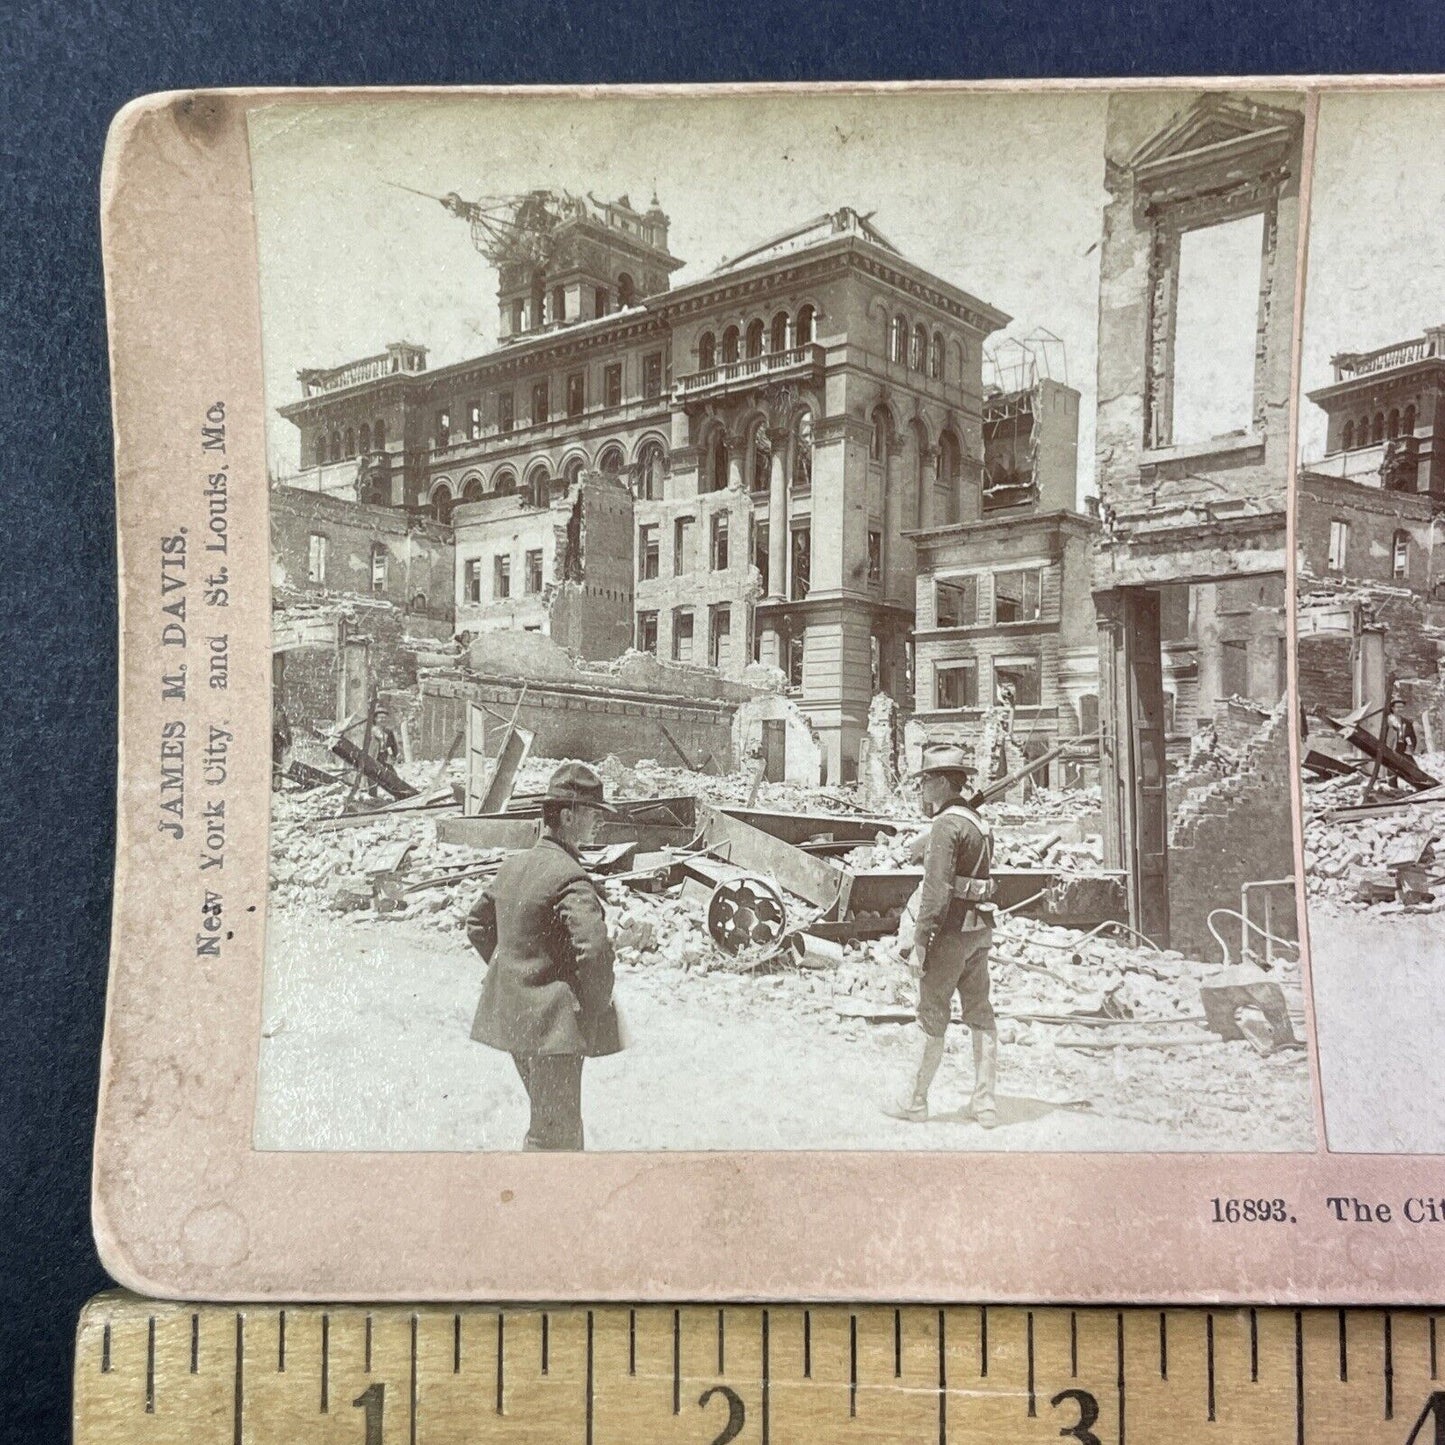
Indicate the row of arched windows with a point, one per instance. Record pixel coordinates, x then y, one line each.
341 446
757 456
1370 432
757 339
914 348
540 484
940 468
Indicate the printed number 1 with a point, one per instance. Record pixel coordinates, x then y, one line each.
1435 1406
1088 1408
372 1399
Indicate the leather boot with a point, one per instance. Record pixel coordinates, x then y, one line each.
914 1106
985 1076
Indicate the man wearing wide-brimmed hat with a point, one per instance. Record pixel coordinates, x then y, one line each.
954 933
547 996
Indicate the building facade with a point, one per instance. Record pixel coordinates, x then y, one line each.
779 424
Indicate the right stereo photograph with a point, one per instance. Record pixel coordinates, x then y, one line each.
1370 497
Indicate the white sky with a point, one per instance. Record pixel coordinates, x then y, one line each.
1001 195
1376 265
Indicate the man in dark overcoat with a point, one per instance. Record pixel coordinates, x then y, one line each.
547 995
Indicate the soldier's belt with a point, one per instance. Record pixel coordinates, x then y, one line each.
973 890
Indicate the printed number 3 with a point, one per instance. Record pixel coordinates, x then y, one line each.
1088 1414
373 1400
736 1413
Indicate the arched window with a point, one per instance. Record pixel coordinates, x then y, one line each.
350 442
336 446
918 351
1407 425
441 502
760 458
1377 432
717 460
626 290
779 338
898 339
472 490
755 339
1362 432
1392 427
418 603
730 345
539 486
378 435
935 357
803 451
706 351
1347 439
949 476
321 450
610 463
365 440
878 439
572 473
650 472
804 331
504 482
1402 555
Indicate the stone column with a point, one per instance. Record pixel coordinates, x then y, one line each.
927 498
778 516
736 455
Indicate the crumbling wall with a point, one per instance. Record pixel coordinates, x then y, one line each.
1233 830
802 748
590 607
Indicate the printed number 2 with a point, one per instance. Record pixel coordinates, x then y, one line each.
372 1399
1435 1406
736 1413
1088 1414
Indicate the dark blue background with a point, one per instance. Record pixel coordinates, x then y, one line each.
64 71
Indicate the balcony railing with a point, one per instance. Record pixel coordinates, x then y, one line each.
750 371
1404 353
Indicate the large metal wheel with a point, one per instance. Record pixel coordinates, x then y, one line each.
746 912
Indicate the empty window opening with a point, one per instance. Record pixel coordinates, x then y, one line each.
652 375
719 630
501 577
472 580
506 412
802 562
378 567
647 632
1401 555
719 548
1016 595
1216 327
1016 681
532 581
576 393
682 635
955 684
706 351
956 602
682 546
795 655
1339 545
539 402
875 559
647 550
317 547
612 385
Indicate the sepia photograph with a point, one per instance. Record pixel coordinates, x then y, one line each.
1371 618
783 645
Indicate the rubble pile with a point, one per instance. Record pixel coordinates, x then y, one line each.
1382 862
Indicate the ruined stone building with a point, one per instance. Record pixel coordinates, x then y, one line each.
1003 601
1196 300
779 425
1371 590
349 582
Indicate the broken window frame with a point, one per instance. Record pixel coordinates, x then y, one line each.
964 588
501 576
317 547
1339 544
684 628
540 401
378 568
719 630
652 376
718 543
647 632
1028 665
612 386
1400 555
532 572
474 420
682 545
472 580
795 657
955 684
576 393
1033 583
648 552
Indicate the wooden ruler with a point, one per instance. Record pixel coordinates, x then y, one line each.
435 1375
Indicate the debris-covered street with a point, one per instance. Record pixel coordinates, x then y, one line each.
789 1043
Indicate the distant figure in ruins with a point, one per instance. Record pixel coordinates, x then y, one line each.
954 934
1399 730
547 996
